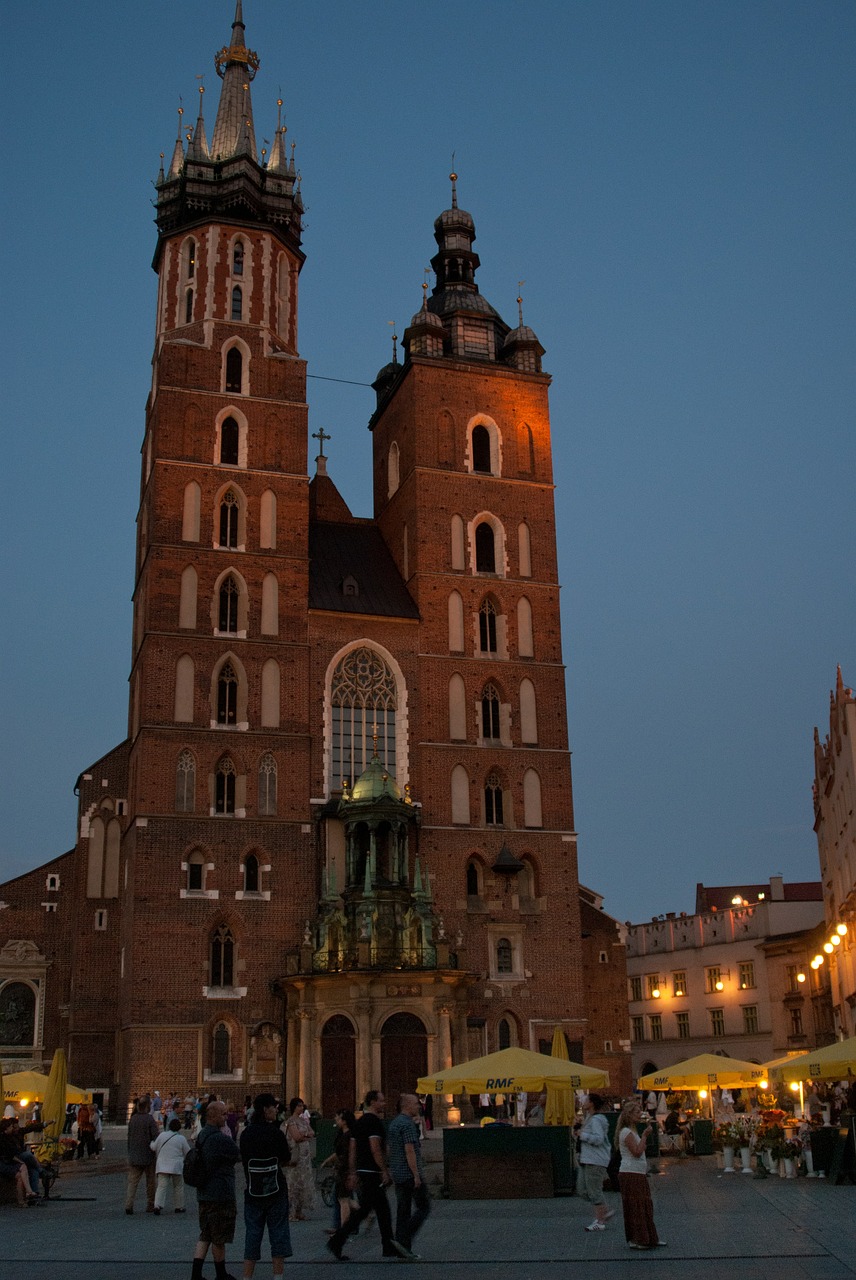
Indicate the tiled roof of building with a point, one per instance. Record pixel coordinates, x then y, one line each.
351 571
721 897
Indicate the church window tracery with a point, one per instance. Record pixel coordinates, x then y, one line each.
238 258
267 785
487 627
490 712
185 783
363 700
228 611
229 512
224 787
227 696
222 957
493 805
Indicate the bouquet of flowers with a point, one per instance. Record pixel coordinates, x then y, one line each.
728 1135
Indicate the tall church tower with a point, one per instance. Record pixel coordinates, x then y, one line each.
337 848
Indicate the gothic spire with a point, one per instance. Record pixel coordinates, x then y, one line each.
236 65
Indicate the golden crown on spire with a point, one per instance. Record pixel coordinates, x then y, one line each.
236 53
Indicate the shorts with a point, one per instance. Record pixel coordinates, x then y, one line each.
593 1176
217 1221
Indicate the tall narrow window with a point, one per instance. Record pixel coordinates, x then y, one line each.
227 696
222 958
221 1058
490 712
224 787
485 548
188 306
717 1022
228 611
229 433
185 783
481 449
195 872
238 258
237 303
503 1034
493 800
682 1022
363 703
251 873
190 259
234 371
504 956
267 786
229 520
472 880
487 627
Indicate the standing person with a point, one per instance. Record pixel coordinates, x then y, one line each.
639 1228
594 1153
368 1163
142 1132
216 1195
157 1108
301 1176
340 1161
405 1165
536 1112
170 1148
85 1131
264 1150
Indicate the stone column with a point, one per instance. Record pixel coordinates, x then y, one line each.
444 1059
304 1079
292 1055
362 1008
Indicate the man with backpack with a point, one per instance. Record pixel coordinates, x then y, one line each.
215 1191
264 1151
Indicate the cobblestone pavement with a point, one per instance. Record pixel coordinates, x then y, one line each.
715 1226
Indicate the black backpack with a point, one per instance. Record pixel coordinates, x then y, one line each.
194 1170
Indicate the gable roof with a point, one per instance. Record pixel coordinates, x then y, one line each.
355 555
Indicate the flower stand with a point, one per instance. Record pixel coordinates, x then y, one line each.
746 1159
728 1159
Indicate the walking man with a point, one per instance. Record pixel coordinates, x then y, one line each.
216 1195
264 1150
413 1203
368 1164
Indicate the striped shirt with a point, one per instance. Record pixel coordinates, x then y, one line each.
402 1130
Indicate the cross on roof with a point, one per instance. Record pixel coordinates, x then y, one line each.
321 435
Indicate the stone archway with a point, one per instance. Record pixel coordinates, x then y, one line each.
338 1065
403 1056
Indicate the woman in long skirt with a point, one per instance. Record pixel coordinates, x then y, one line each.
636 1204
300 1175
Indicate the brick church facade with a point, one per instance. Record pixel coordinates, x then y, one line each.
337 848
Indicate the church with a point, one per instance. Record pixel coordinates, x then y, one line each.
336 850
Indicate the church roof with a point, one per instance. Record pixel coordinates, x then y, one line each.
352 571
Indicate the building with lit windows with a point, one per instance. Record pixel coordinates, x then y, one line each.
734 977
337 848
835 826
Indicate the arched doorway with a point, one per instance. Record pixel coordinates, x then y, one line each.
338 1065
403 1056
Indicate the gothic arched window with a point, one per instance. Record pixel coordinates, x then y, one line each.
238 258
481 449
227 618
473 879
190 259
267 786
17 1014
234 375
487 627
363 703
485 548
493 800
490 712
237 303
229 512
227 695
221 1061
185 783
188 306
503 1032
224 787
223 958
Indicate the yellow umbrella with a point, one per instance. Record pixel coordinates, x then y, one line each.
511 1071
32 1086
53 1106
834 1062
560 1108
704 1070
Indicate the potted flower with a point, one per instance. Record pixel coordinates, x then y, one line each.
745 1128
727 1136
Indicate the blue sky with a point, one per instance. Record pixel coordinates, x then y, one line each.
673 181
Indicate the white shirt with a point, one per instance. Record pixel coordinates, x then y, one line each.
170 1148
629 1162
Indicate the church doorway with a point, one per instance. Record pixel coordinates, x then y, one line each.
403 1056
338 1065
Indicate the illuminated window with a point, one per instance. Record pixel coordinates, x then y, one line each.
712 977
746 976
652 984
679 983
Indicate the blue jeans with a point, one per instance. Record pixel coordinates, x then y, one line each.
407 1220
272 1214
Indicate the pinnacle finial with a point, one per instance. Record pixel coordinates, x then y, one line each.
391 323
453 178
520 284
